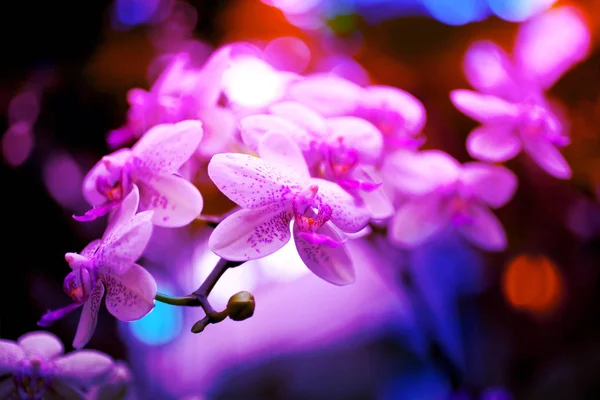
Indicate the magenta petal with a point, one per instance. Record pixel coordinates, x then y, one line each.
130 296
356 133
91 248
90 188
124 245
164 148
417 220
489 70
220 126
551 43
327 93
254 127
52 316
280 150
175 202
123 214
301 115
251 234
418 173
484 230
493 184
390 99
348 212
44 345
483 107
10 356
547 156
83 368
96 212
495 143
89 317
331 263
249 181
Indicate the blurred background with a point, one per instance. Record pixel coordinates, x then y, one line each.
445 321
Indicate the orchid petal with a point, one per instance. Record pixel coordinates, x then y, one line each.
419 173
489 70
251 234
280 150
83 367
254 127
11 355
551 43
493 143
301 115
417 220
130 296
91 248
547 156
96 212
123 214
249 181
330 94
41 344
332 264
175 202
89 317
484 230
347 212
484 108
390 99
208 86
219 129
90 191
165 147
356 133
493 184
125 244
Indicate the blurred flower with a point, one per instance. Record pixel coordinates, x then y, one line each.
511 106
442 193
38 369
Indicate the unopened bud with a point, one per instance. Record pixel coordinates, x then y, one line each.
199 326
241 306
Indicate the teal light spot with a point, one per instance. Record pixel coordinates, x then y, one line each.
162 325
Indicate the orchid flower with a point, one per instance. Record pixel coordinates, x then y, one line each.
441 193
340 149
108 265
511 105
151 164
179 93
274 190
39 370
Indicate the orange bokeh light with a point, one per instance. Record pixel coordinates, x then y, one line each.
532 283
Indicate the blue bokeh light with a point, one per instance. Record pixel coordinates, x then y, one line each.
453 12
135 12
162 325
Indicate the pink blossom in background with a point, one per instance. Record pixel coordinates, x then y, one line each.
510 104
441 193
108 264
38 369
151 164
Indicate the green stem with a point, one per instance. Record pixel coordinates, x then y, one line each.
190 301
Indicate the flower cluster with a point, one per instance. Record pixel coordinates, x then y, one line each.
315 157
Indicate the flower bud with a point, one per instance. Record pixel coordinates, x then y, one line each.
241 306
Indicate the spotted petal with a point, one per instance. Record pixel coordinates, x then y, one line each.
175 202
332 264
251 234
249 181
348 213
165 147
89 317
130 296
280 150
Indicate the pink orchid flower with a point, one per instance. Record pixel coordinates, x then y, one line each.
179 93
441 193
39 370
339 149
511 105
274 190
108 264
151 164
